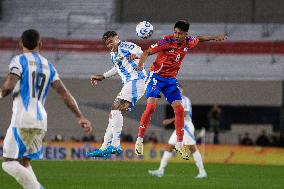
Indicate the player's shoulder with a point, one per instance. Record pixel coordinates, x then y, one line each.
190 38
127 45
166 40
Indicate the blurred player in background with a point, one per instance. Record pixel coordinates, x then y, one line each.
30 76
124 56
162 78
188 141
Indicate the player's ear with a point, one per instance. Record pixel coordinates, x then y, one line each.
39 44
21 44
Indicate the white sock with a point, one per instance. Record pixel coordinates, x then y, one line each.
108 135
164 161
117 123
139 139
22 175
198 161
32 172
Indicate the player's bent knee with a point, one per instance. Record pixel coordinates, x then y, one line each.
179 109
151 107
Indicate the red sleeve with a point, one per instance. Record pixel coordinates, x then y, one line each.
193 41
160 46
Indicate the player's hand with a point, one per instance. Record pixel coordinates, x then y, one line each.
221 38
132 57
167 121
96 78
85 124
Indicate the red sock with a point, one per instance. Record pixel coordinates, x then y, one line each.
146 118
179 122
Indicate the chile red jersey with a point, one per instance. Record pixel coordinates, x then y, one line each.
170 55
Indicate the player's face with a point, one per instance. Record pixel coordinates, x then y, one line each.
180 35
112 43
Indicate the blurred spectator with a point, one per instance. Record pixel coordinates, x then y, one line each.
153 138
274 140
216 138
246 140
262 139
74 139
126 137
281 140
214 117
88 138
58 138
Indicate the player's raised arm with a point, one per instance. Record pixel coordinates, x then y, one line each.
71 103
9 84
143 58
211 38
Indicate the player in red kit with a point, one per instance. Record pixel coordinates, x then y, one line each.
162 78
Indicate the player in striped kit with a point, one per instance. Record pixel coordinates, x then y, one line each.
30 76
124 56
188 141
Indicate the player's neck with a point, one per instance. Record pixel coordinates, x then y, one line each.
25 50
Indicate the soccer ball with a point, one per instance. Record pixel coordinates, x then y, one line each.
144 30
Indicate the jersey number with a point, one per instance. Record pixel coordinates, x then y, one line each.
177 57
38 84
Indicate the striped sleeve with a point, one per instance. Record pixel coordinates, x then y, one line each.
15 67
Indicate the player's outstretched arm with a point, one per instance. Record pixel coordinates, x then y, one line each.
170 120
71 103
9 84
211 38
143 58
96 78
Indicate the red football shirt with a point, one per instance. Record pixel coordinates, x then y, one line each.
170 55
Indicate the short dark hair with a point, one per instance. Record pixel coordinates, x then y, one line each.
183 25
30 39
108 34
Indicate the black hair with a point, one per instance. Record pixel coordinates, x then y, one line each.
108 34
183 25
30 39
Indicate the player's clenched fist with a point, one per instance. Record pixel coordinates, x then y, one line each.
85 124
96 78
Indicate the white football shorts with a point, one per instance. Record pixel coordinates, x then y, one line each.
132 91
188 137
23 143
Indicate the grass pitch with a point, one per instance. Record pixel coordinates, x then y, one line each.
134 175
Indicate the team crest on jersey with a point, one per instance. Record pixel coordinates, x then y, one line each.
118 58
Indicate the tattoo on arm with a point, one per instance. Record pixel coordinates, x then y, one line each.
66 96
9 84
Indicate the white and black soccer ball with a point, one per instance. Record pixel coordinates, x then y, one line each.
144 30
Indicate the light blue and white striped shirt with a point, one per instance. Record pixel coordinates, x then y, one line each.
125 67
29 95
186 103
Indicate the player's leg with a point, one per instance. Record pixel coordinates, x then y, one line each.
119 108
166 157
129 95
152 95
14 147
27 164
108 134
190 142
173 96
22 175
